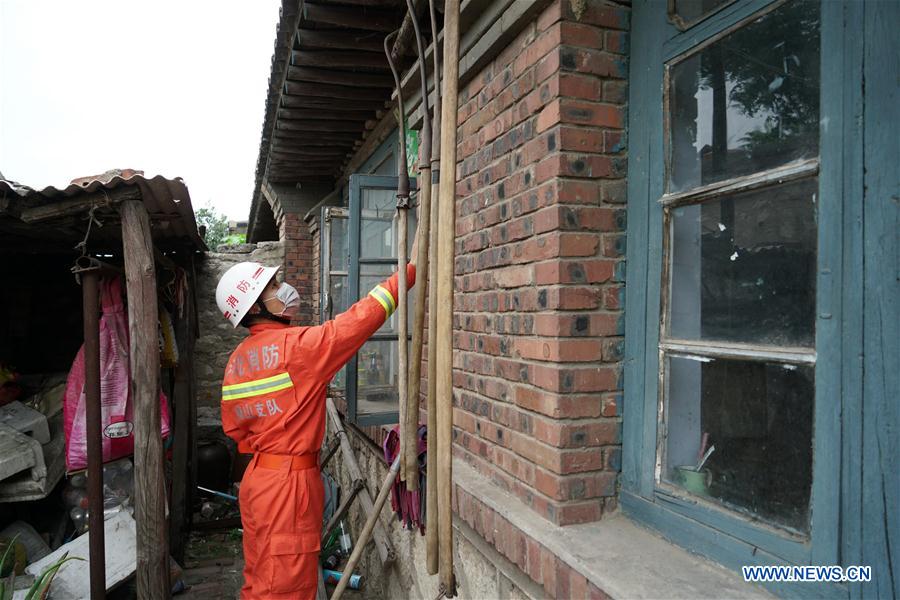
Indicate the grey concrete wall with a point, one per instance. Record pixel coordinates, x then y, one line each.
217 337
481 571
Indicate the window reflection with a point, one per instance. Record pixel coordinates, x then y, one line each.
748 102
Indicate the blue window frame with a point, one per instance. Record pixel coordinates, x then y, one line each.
690 321
371 386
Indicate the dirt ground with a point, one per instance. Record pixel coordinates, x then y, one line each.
213 565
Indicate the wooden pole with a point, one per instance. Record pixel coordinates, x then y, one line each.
431 507
445 256
366 532
411 444
149 484
182 493
403 332
91 295
402 220
382 541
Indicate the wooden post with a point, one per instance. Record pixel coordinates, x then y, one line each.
431 505
183 398
91 298
149 484
445 257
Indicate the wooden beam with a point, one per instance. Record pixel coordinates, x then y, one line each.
366 18
294 101
323 125
351 78
336 91
149 484
342 39
320 178
310 166
311 155
372 141
340 59
80 204
325 114
286 169
290 140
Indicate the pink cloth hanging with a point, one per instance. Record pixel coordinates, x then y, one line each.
116 420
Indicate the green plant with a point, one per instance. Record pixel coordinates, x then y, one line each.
216 225
41 585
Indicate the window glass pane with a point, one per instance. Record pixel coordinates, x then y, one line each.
748 102
340 295
377 229
759 418
691 10
371 275
744 267
340 244
376 390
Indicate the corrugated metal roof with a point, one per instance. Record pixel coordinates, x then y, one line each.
27 213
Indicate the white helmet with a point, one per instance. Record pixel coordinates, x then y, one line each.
239 288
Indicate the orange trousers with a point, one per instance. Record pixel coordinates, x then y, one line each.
281 511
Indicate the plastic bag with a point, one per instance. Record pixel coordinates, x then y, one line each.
116 403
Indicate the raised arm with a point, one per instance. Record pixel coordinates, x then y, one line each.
333 343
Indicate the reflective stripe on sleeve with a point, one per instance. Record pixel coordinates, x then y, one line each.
257 387
384 298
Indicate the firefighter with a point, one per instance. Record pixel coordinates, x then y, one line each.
273 405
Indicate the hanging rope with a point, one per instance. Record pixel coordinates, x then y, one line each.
87 234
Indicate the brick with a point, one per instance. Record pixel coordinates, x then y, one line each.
593 62
577 34
551 15
578 585
562 350
585 512
514 277
534 561
546 41
557 378
601 15
563 574
615 92
611 405
549 569
576 85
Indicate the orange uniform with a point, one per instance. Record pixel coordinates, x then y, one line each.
273 404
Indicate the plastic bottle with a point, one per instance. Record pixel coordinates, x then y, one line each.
346 544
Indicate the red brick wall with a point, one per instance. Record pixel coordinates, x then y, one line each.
539 268
298 262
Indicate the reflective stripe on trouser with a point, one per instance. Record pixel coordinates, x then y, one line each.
281 512
257 387
385 299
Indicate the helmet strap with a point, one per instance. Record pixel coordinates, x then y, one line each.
264 313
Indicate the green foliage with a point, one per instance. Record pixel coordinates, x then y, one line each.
41 585
216 225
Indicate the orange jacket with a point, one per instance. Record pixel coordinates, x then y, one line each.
273 393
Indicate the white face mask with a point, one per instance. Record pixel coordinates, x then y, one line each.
290 298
